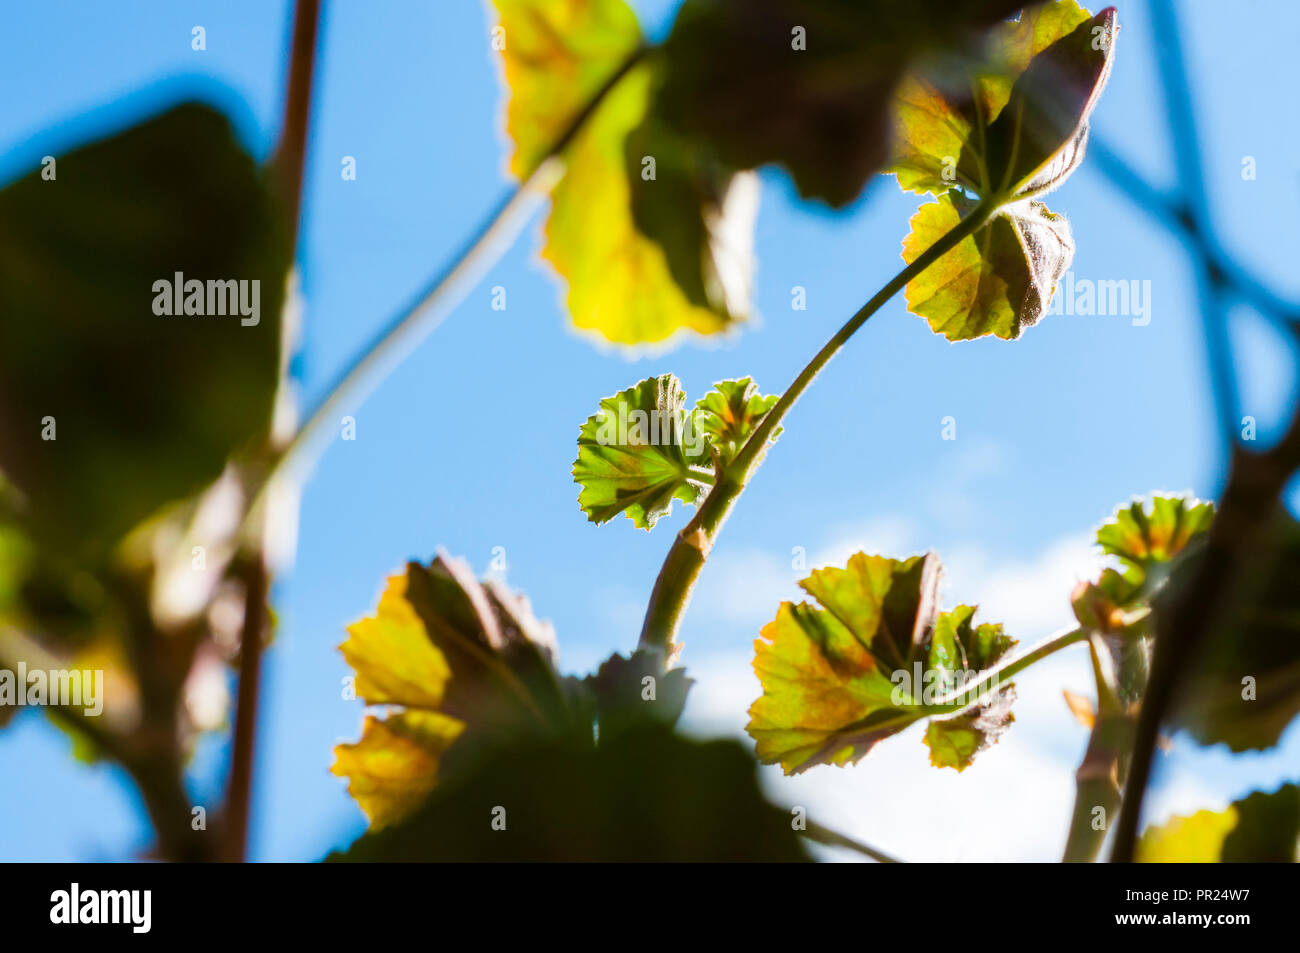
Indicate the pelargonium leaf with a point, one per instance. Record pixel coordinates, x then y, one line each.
637 691
150 403
395 764
699 211
644 795
641 450
997 281
730 412
556 58
835 677
1036 141
942 113
454 660
683 262
1263 827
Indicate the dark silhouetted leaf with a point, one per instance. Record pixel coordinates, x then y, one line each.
645 795
146 408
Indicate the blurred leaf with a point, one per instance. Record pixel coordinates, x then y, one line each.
1243 687
998 281
146 408
958 650
805 84
640 451
620 284
839 678
643 260
394 766
646 795
558 54
942 111
729 414
465 661
699 211
1260 828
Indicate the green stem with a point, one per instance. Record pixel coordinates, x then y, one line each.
690 548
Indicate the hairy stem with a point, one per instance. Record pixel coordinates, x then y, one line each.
690 548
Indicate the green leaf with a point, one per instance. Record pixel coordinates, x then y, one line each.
1243 687
999 280
642 795
558 54
839 678
110 410
699 211
1001 133
730 412
459 659
641 450
1260 828
805 83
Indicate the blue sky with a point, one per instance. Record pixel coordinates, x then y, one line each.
468 445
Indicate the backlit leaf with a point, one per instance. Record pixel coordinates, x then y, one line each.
557 56
1144 533
457 661
806 83
620 284
641 795
998 281
1001 133
109 410
640 451
840 677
